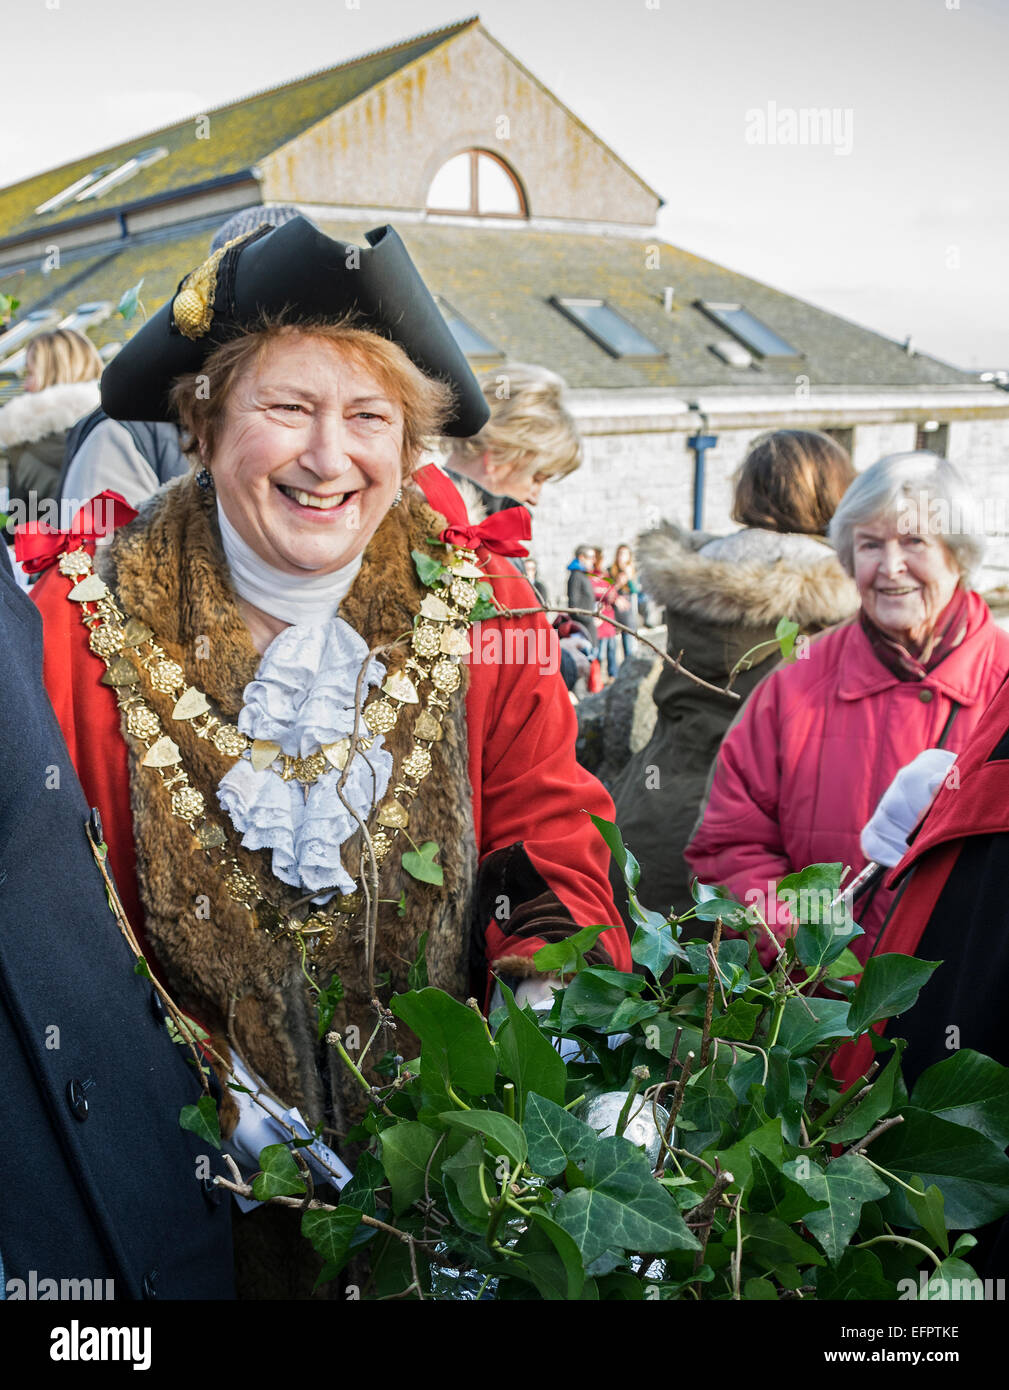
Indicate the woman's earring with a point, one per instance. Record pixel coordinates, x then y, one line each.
398 498
205 480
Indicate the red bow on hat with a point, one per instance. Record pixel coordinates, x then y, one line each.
37 546
501 533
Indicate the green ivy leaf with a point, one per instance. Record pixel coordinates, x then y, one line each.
361 1192
202 1120
527 1056
325 1006
760 1289
461 1175
567 955
954 1281
454 1041
502 1134
625 861
773 1193
331 1233
481 610
929 1208
785 634
128 303
737 1022
847 963
890 984
605 999
805 1023
738 1158
970 1171
420 863
429 570
280 1175
875 1103
858 1275
845 1185
770 1244
567 1251
401 904
406 1153
732 912
621 1205
555 1136
140 967
967 1089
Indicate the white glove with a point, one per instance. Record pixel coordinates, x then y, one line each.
903 804
258 1127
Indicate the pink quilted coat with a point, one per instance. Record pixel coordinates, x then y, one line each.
816 746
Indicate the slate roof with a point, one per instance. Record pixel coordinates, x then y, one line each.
502 281
240 134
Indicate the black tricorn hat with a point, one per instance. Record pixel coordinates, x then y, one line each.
297 271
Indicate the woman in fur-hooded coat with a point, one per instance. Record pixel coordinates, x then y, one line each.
722 598
33 432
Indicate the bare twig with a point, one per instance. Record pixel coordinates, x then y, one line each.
594 614
881 1128
709 1002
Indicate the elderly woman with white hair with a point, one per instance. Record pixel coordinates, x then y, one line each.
800 774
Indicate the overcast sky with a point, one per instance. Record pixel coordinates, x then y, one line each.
899 219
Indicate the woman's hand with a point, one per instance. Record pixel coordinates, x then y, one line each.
265 1121
902 805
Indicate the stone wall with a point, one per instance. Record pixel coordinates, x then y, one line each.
628 482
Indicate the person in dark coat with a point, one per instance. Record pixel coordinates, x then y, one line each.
104 1195
723 599
581 593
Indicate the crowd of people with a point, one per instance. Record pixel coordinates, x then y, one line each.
225 728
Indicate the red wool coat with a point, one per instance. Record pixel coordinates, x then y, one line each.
817 745
978 804
527 788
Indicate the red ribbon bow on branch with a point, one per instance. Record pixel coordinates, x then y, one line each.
37 546
501 533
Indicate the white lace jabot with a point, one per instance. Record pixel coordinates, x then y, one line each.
302 697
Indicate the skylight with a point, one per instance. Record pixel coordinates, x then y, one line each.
752 332
122 173
470 340
73 190
607 328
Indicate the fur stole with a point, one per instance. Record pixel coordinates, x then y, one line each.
168 569
36 414
809 587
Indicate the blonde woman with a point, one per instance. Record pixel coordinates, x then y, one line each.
61 385
529 439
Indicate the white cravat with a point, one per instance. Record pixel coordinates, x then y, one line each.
303 600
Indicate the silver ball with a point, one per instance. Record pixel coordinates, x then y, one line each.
602 1112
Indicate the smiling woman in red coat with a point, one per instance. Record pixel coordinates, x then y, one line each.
820 740
266 684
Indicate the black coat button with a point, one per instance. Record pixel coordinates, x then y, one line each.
211 1192
77 1098
150 1286
157 1005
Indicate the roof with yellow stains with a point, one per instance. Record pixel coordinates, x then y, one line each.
233 138
502 283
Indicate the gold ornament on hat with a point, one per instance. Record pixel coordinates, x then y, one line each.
193 306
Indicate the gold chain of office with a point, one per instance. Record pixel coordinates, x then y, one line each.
438 641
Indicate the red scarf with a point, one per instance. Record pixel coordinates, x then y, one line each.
906 665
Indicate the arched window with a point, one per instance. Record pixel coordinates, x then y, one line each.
476 184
